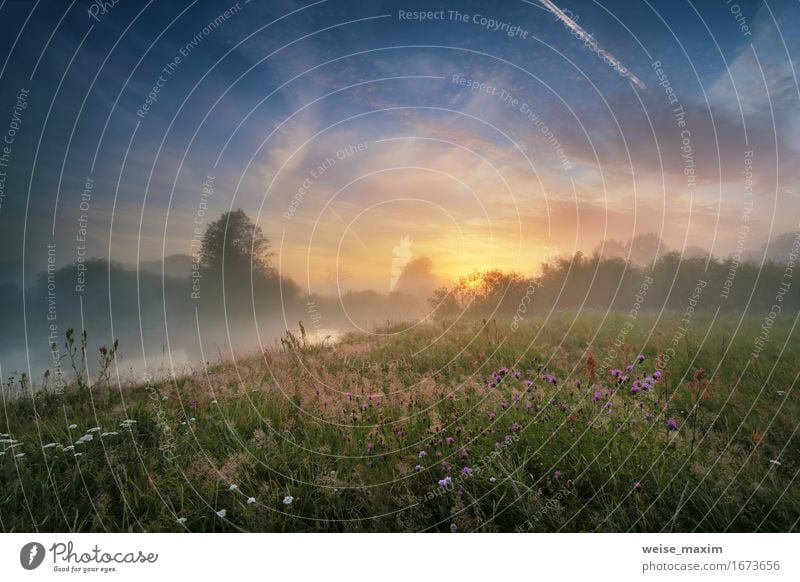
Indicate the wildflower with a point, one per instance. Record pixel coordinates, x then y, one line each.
509 440
108 434
492 479
640 358
214 401
251 500
446 481
288 500
557 474
503 371
222 513
517 374
450 440
69 448
193 405
232 487
181 520
635 387
528 383
422 454
349 395
671 424
516 426
657 374
516 397
370 446
453 528
637 486
616 372
467 470
91 430
50 445
629 368
78 454
19 455
72 427
418 468
577 383
775 462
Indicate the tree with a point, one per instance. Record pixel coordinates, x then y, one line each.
235 242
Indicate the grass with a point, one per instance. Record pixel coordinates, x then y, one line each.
339 430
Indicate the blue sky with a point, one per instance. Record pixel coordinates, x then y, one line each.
263 97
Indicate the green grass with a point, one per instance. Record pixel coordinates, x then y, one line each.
347 454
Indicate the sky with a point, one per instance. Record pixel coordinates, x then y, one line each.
486 135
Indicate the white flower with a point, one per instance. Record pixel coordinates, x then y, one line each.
4 436
492 479
222 513
50 445
78 454
232 487
251 500
164 398
214 401
95 429
72 427
288 500
2 453
193 419
84 439
775 462
19 455
181 520
108 434
69 448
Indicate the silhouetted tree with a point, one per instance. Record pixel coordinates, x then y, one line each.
235 242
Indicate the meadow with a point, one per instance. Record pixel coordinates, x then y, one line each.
583 421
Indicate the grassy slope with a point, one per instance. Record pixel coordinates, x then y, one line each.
348 460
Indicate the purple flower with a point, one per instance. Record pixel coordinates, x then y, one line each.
671 424
557 475
637 486
516 397
422 454
577 383
450 440
629 368
446 481
370 446
466 470
516 426
640 358
597 395
528 383
657 374
453 528
635 387
349 395
504 405
418 468
616 372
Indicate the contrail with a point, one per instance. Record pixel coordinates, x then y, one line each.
590 42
